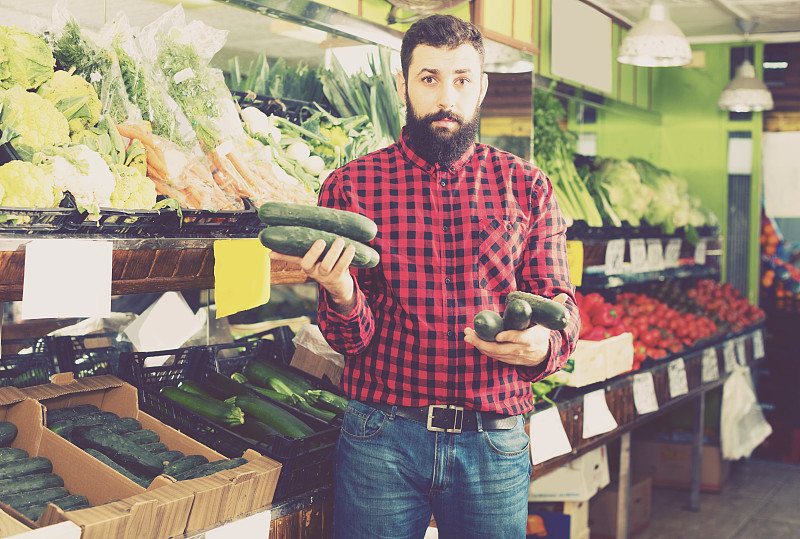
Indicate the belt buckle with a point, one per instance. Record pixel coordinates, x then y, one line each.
458 418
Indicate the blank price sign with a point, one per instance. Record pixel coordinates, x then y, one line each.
678 384
638 254
655 254
758 344
672 252
729 355
710 370
615 256
644 393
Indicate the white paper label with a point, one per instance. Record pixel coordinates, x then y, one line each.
644 393
758 344
183 75
700 252
548 437
710 370
655 255
729 355
597 418
615 256
678 384
253 526
638 250
672 253
741 354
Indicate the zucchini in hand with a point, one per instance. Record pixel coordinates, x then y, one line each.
296 241
341 222
487 324
544 312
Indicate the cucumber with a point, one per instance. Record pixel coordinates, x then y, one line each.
341 222
67 412
212 468
170 456
29 482
124 425
180 466
67 503
23 467
545 312
212 409
34 497
155 447
273 415
143 436
487 325
8 431
296 240
326 400
62 427
517 315
259 372
141 481
8 454
93 419
122 451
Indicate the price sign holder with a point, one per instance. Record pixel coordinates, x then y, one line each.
741 355
615 256
700 252
758 344
655 254
710 370
638 249
678 384
729 355
672 253
644 393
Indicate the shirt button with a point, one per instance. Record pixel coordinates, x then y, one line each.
447 280
444 228
443 183
450 334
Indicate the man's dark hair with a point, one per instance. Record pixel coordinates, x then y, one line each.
441 31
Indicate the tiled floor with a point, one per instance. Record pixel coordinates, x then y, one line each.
761 500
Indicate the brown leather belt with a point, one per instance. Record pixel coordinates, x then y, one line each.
449 418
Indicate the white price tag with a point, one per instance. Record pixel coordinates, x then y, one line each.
700 252
729 355
615 255
597 418
644 393
655 255
253 526
678 384
183 75
548 437
638 250
710 370
741 355
672 253
758 344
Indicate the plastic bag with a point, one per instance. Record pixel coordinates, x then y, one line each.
310 337
742 423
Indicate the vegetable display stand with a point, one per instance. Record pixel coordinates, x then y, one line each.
307 462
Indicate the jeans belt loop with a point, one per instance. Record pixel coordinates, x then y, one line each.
479 421
458 418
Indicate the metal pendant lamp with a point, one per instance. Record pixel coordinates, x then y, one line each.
655 41
746 92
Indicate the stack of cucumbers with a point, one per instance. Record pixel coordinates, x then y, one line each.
27 483
522 311
293 228
243 402
122 444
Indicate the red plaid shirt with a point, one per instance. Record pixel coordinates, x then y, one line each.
452 243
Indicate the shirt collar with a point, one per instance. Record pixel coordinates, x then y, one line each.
411 155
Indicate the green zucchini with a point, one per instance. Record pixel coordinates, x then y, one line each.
487 324
517 315
341 222
212 468
29 482
116 447
297 401
256 430
155 447
222 387
212 409
279 385
8 431
326 400
193 387
296 241
143 436
170 456
176 468
271 393
259 372
34 497
545 312
8 454
23 467
67 412
62 427
124 425
67 503
272 415
141 481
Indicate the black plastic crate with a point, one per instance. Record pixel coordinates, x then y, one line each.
15 220
210 224
28 369
119 222
306 462
294 110
277 344
89 355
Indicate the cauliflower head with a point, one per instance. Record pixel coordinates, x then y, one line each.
37 120
81 171
133 191
74 97
28 58
23 185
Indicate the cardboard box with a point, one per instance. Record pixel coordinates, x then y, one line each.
670 464
542 519
595 361
167 508
578 480
603 511
316 365
13 527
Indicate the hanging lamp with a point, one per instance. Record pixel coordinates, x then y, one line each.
746 92
655 41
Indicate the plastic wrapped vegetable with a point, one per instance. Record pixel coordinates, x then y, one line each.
25 58
38 121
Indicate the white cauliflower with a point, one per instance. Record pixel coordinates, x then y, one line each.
81 171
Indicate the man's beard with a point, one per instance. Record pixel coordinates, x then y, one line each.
439 144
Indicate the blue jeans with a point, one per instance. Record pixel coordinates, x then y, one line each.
392 473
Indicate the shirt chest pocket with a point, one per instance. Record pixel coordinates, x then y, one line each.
497 246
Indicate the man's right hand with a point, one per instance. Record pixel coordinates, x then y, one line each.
332 271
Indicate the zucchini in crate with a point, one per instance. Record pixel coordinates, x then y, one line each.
341 222
122 451
326 400
259 372
298 402
141 481
217 411
8 431
273 415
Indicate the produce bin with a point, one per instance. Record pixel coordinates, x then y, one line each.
88 355
28 368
